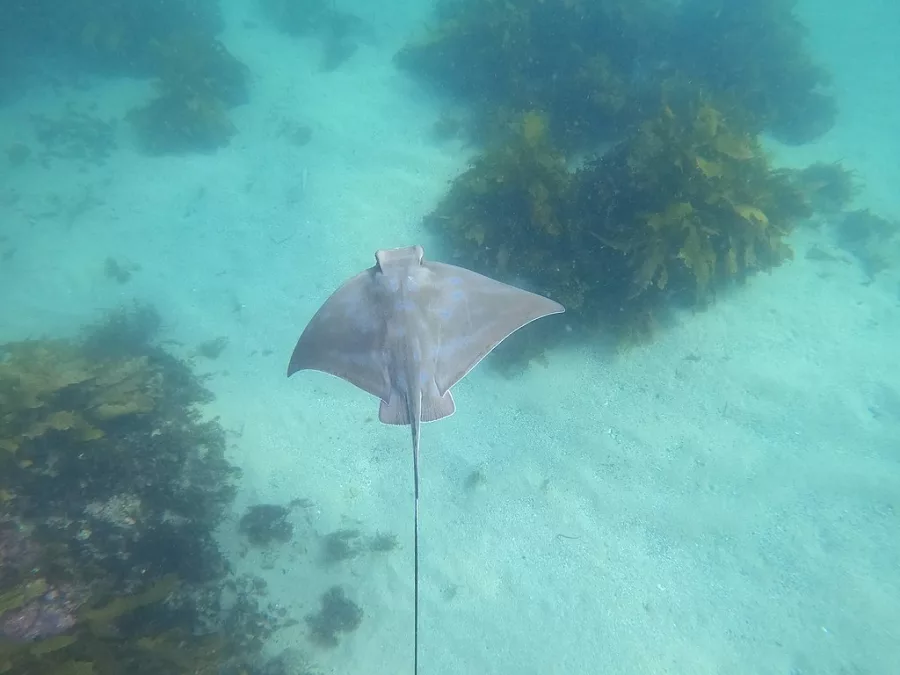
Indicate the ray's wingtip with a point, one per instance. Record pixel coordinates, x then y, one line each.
557 307
294 365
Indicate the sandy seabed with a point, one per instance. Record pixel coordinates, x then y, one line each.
725 500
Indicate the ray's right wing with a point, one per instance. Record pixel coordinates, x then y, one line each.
476 313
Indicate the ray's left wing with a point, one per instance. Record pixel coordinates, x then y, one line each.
346 338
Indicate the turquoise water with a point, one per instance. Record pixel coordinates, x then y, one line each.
722 498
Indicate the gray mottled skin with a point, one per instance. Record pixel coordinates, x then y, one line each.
406 330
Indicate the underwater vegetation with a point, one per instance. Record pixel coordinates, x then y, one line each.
684 205
874 241
265 524
172 41
73 136
339 31
572 60
755 53
346 544
828 187
50 387
111 488
508 213
690 202
108 37
620 169
337 614
593 67
199 80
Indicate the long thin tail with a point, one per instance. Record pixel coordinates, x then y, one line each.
415 438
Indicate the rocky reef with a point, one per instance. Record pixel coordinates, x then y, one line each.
112 485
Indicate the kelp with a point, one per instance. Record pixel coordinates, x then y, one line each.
574 60
872 239
171 41
507 214
108 36
690 200
111 490
755 53
48 387
683 206
828 187
594 67
199 80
